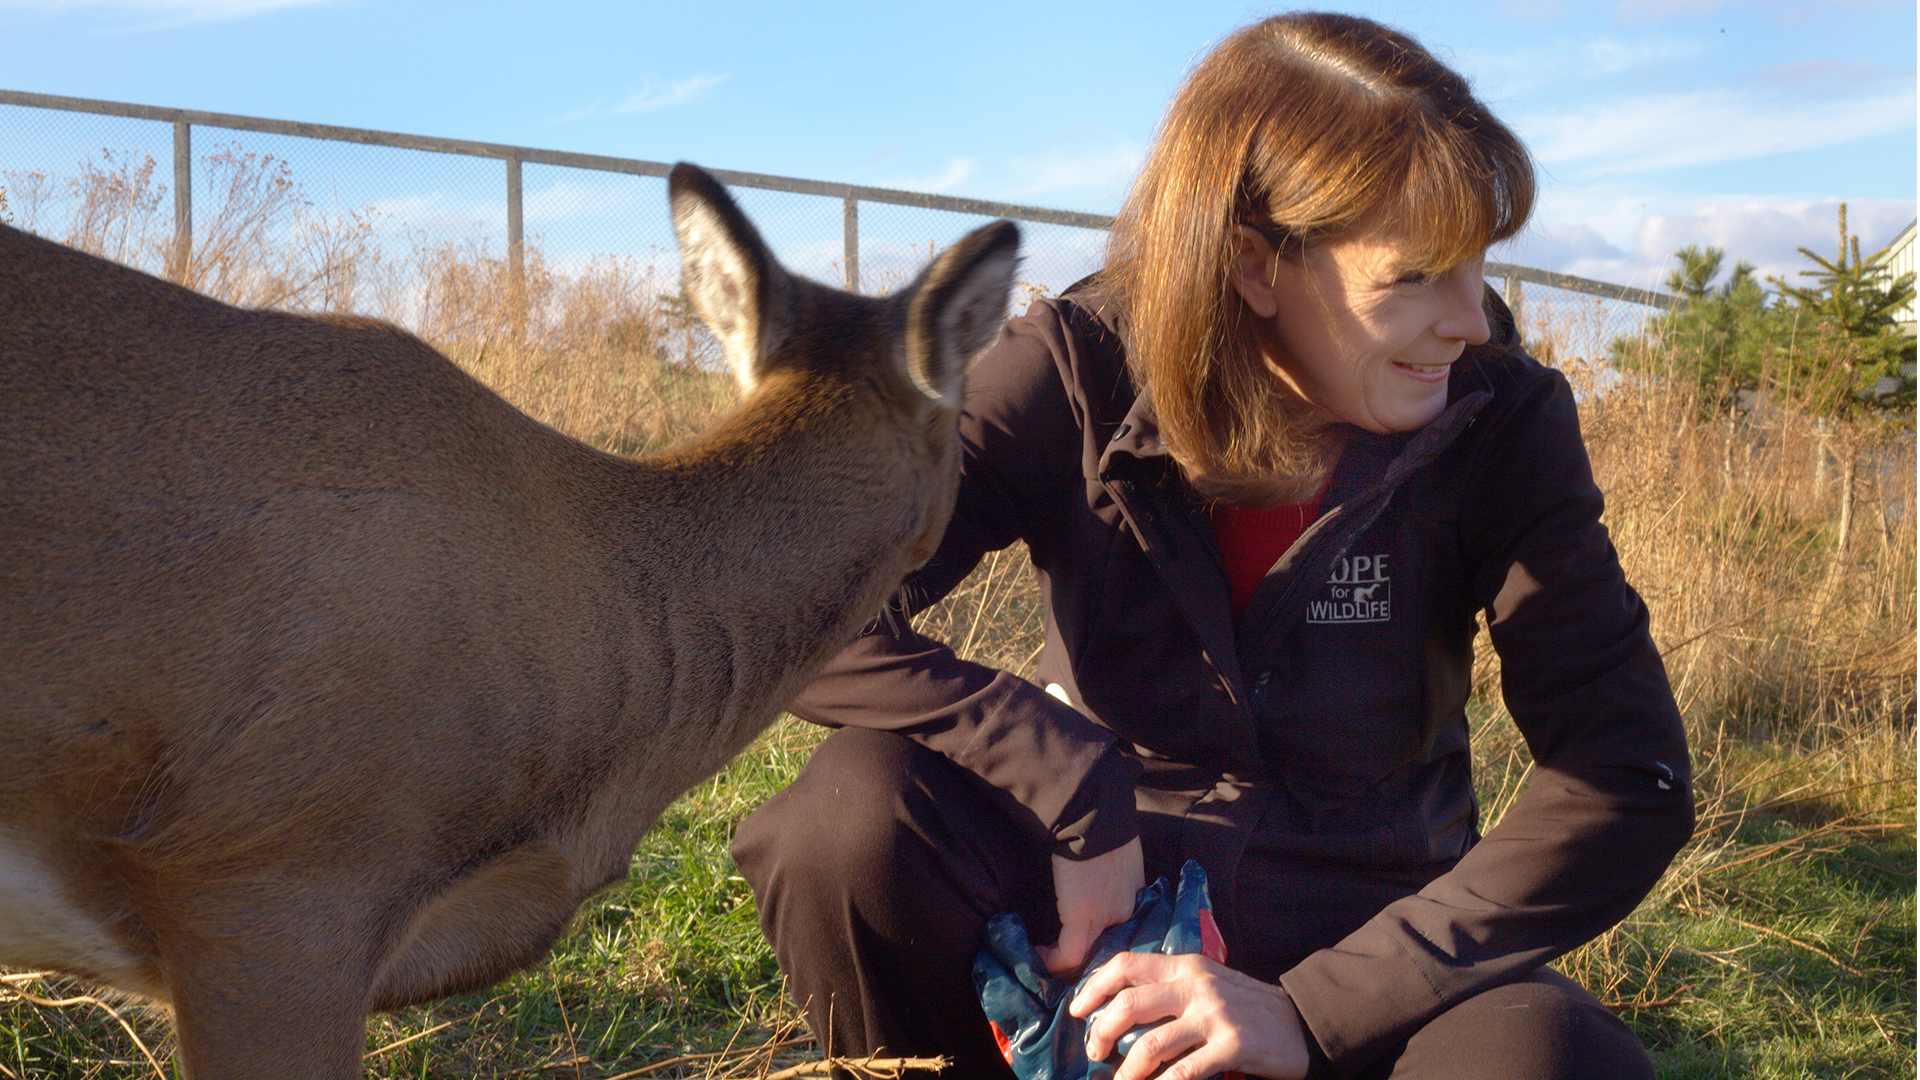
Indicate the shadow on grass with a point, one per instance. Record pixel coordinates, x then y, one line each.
1800 965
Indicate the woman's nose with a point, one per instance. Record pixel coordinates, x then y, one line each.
1465 317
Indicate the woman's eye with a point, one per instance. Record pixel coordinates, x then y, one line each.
1413 277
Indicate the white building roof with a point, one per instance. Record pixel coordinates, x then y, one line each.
1897 259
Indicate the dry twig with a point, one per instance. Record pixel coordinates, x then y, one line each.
873 1067
371 1054
714 1055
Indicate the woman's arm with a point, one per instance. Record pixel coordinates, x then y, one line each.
1609 803
1052 767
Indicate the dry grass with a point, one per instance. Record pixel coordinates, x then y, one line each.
607 351
1776 554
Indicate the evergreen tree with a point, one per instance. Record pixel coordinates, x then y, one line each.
1833 346
1698 267
1853 296
1718 338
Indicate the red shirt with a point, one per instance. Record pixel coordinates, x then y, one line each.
1254 537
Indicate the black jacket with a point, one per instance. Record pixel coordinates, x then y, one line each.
1320 743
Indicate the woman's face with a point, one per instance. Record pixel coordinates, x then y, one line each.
1360 332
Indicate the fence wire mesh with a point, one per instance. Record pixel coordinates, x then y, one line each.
1566 327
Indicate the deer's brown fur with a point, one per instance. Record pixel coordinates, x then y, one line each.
329 682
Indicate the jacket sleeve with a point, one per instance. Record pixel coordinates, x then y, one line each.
1050 767
1610 801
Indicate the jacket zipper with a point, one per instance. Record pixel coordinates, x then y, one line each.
1329 539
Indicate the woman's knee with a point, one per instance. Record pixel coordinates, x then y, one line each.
840 813
876 819
1544 1027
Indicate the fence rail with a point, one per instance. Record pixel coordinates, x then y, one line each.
1605 290
514 157
852 195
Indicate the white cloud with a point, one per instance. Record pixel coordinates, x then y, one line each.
1099 175
1810 10
1766 232
160 14
1548 68
1637 10
438 216
443 214
1529 11
1555 245
651 98
956 172
1706 127
565 200
1770 235
1762 231
1783 12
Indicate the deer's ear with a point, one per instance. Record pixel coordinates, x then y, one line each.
732 280
957 308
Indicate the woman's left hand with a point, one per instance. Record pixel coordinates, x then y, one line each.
1092 895
1215 1019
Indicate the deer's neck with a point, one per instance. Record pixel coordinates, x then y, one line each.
754 570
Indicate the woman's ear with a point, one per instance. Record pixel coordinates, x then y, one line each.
1254 271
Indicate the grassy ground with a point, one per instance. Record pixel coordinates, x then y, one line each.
1782 587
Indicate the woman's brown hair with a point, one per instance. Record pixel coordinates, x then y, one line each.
1301 125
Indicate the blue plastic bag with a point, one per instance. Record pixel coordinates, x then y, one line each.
1028 1007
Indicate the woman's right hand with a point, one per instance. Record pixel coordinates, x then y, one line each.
1092 894
1208 1019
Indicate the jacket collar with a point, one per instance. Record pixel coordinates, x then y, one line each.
1137 436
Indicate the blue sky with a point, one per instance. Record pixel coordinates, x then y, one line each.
1656 123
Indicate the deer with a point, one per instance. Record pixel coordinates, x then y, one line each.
331 683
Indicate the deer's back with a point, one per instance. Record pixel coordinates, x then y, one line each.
219 524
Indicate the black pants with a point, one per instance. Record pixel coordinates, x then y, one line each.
876 872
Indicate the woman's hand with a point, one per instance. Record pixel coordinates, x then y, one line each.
1216 1019
1092 894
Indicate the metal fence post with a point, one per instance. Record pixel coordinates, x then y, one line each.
851 242
182 201
1513 297
516 251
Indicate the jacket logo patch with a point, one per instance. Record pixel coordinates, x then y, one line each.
1358 592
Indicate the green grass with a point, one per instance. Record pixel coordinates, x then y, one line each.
668 965
1795 966
1781 943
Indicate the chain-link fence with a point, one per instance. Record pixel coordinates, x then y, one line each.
420 230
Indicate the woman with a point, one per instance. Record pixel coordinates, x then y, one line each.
1270 463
